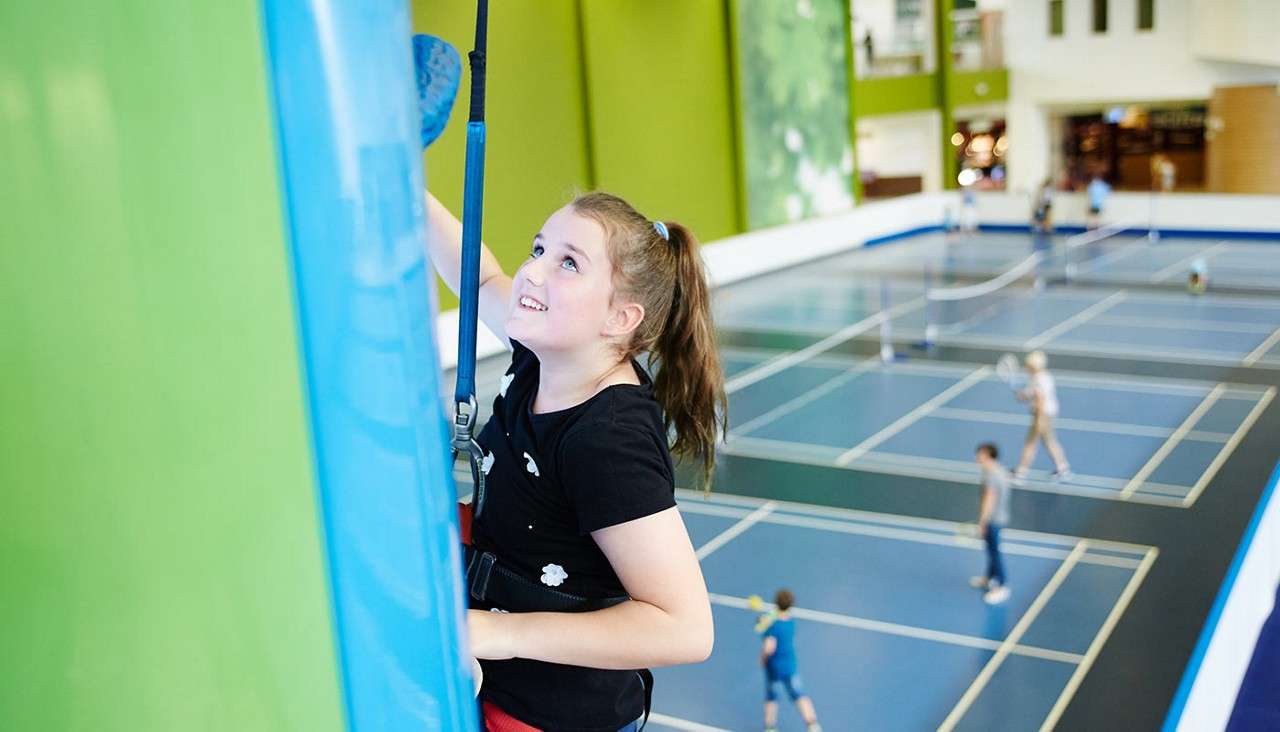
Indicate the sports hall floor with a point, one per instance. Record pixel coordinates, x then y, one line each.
849 479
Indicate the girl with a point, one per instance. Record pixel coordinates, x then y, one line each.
1042 395
579 500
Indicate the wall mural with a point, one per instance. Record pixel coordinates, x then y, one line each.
794 89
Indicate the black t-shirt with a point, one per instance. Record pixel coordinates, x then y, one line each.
551 480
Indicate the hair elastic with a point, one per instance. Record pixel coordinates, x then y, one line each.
661 228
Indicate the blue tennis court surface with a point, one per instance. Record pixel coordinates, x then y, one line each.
1150 440
892 637
1125 258
1212 329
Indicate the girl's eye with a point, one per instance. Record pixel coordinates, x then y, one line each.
569 264
537 250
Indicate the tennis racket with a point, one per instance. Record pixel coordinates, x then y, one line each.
1008 371
767 614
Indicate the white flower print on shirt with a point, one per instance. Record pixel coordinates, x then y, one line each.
532 467
487 464
506 382
553 575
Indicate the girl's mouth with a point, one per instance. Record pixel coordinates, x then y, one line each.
528 303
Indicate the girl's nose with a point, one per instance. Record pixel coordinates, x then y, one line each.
533 272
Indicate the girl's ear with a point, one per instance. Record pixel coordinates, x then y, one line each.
623 320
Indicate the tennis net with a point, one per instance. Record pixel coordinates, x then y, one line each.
950 307
1092 249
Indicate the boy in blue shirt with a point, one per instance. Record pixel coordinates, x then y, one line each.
778 656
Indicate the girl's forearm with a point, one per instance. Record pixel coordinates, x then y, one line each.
631 635
444 246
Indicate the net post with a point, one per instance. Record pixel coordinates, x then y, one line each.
930 321
886 327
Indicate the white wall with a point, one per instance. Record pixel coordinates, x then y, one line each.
1245 31
1203 211
903 144
1081 69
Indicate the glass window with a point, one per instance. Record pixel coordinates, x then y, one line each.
1146 14
1055 17
1099 16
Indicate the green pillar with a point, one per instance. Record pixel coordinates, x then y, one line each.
942 33
852 71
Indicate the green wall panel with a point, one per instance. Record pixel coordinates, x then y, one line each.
160 553
661 109
978 87
895 94
537 154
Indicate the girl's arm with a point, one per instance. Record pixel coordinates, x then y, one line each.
444 247
667 621
770 645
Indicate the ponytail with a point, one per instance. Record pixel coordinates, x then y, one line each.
690 382
657 264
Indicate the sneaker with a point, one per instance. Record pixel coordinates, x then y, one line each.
1063 474
979 583
815 727
996 595
1020 476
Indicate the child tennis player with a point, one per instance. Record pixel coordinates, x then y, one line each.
1042 396
993 515
778 657
580 512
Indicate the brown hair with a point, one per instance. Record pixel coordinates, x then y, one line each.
666 277
784 600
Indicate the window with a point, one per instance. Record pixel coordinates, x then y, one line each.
1146 14
1099 16
1055 17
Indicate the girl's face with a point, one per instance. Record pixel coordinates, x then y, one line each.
561 296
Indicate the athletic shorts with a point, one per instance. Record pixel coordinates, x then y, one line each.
791 684
1041 427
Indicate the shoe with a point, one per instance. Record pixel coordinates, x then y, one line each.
996 595
1020 476
979 583
815 727
1063 474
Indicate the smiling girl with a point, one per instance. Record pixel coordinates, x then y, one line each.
580 481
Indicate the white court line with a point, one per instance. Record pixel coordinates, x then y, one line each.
1142 321
1182 264
1262 349
795 403
1024 623
1176 386
907 631
682 724
1075 320
954 539
1099 640
1150 467
1123 251
888 462
1104 349
692 497
1230 447
1080 425
913 416
732 532
786 361
909 466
